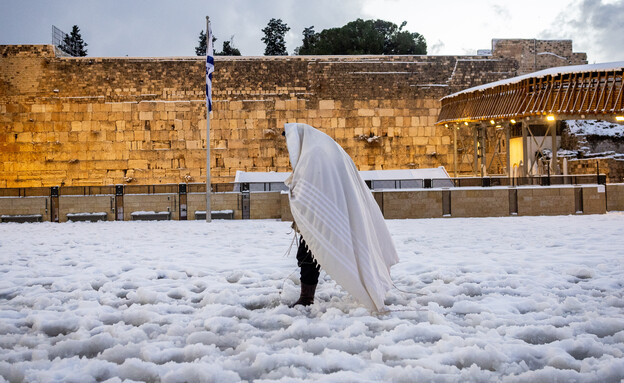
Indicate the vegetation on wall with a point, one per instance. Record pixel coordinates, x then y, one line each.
73 44
363 37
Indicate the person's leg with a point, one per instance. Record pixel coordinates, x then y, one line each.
310 271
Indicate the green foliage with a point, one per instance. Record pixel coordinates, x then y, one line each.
73 44
310 38
363 37
200 49
228 48
274 38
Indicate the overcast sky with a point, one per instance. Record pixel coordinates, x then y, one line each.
451 27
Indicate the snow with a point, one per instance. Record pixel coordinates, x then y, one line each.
595 127
101 213
367 175
513 299
601 67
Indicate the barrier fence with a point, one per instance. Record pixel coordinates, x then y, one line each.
232 200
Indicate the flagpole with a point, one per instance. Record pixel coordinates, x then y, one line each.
208 107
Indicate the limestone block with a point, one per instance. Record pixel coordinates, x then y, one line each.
146 116
292 105
115 107
326 104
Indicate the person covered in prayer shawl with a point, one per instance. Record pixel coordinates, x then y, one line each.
342 226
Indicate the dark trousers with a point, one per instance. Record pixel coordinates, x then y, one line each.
310 270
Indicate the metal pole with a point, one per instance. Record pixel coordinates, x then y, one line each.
454 151
525 149
476 150
555 161
208 191
484 170
508 154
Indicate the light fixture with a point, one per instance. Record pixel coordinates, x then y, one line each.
492 122
550 117
619 118
446 125
466 123
513 121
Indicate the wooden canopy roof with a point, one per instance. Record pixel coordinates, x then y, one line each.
570 92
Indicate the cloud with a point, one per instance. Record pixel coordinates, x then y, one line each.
593 25
435 48
501 11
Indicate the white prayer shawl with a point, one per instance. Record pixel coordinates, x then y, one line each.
338 216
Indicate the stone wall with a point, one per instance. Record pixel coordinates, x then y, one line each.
612 168
615 197
103 121
533 55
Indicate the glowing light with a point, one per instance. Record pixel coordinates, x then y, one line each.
513 121
619 118
492 122
466 123
446 125
550 117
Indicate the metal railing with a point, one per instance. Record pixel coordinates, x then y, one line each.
231 187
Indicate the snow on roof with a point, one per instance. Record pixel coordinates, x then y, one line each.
367 175
601 67
250 177
595 127
404 174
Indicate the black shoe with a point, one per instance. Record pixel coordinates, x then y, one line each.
307 295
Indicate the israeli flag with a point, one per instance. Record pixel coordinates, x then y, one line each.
209 68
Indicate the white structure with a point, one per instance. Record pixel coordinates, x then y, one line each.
376 179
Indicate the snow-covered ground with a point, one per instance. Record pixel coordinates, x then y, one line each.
518 299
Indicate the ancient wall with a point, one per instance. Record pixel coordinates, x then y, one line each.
101 121
533 55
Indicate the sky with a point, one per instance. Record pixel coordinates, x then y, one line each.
143 28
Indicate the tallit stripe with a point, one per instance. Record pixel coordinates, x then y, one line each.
327 245
340 224
314 194
310 194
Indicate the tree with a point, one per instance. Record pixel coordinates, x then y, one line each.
274 38
228 49
407 43
73 44
310 38
363 37
228 46
200 50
